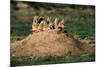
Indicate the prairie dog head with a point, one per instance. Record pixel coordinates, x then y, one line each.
38 19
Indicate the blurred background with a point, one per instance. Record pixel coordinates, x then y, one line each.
79 19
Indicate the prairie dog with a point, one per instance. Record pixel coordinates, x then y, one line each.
35 24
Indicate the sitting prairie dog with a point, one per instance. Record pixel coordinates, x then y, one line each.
35 24
42 24
38 19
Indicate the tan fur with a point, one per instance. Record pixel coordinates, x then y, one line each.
61 24
34 24
50 27
56 22
40 27
46 24
48 20
34 27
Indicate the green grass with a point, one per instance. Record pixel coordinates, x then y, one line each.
52 60
20 28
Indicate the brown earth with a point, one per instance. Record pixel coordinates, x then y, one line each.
43 44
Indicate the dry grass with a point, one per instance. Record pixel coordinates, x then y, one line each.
43 44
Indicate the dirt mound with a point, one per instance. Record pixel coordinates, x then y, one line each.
42 44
